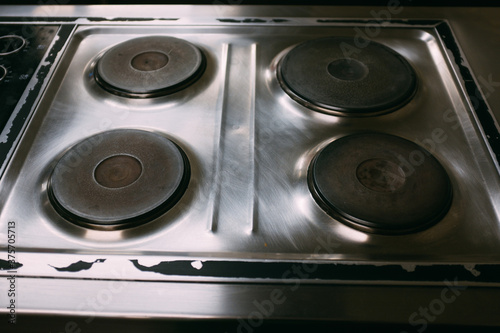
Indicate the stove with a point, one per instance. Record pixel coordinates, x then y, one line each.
265 153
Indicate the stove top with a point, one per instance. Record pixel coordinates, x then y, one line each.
343 76
226 152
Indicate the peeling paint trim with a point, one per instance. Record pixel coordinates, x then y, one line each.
295 271
480 108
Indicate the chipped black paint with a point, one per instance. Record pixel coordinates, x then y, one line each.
78 266
480 107
229 21
412 23
293 272
6 265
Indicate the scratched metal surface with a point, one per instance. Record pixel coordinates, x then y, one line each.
250 147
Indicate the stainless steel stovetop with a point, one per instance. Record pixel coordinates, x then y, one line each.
247 215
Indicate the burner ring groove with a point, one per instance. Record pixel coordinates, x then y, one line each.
374 183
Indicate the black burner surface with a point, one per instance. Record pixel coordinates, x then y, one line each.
118 179
334 75
380 183
149 67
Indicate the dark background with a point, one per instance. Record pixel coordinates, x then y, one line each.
454 3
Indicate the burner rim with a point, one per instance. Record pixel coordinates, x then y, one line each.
94 172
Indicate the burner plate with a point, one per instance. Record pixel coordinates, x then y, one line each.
380 183
118 179
335 76
149 67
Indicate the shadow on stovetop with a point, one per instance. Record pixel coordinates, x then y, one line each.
69 324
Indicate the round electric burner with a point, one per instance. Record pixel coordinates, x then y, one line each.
149 67
118 171
380 183
118 179
334 75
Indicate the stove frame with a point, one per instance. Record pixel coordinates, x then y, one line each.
262 273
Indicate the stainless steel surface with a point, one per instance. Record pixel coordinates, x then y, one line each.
250 147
